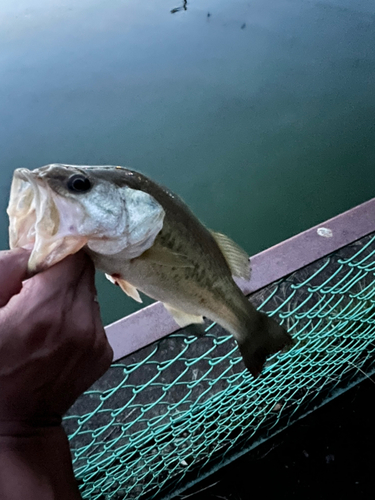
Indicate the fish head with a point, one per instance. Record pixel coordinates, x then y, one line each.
58 209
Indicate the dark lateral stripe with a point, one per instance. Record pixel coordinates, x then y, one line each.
153 322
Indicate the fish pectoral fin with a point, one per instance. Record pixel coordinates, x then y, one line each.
126 287
109 278
165 257
237 259
181 317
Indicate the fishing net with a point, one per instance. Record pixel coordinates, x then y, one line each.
172 412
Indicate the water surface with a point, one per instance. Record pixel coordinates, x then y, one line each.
260 114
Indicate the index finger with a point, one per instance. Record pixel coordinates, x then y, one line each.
13 270
50 295
61 277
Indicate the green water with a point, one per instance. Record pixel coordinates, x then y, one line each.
260 114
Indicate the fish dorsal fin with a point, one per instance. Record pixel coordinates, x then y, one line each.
125 287
237 259
181 317
165 257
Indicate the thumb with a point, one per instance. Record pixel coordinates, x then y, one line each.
13 270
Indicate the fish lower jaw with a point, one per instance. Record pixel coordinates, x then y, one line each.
46 253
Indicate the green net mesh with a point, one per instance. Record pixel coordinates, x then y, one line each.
175 410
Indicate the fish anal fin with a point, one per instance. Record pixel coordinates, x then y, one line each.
181 317
126 287
165 257
237 259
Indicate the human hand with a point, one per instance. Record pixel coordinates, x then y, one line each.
52 342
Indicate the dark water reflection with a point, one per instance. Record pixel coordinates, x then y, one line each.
260 114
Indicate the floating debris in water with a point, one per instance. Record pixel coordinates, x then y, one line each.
178 9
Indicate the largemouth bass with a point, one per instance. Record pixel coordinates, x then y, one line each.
145 239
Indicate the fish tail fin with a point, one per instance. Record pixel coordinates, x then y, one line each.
261 338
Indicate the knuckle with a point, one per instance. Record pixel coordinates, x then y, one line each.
109 353
103 348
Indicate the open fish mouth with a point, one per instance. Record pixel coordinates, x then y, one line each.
54 219
35 222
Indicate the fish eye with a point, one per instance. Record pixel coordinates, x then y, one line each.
79 183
